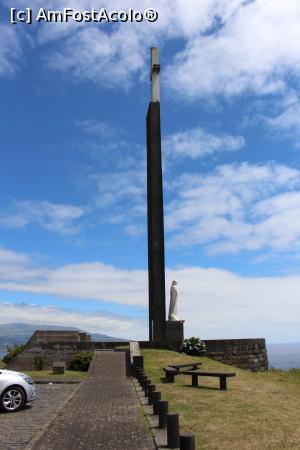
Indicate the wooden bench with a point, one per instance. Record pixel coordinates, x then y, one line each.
170 373
173 370
199 373
181 366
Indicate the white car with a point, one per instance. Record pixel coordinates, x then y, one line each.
16 389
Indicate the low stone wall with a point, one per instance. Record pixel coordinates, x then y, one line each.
50 353
248 354
45 336
164 345
56 351
108 345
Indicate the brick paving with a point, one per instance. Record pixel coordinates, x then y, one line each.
17 429
103 413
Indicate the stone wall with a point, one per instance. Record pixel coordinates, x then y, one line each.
45 336
60 350
165 345
248 354
50 353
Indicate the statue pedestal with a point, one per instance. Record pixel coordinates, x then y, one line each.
174 330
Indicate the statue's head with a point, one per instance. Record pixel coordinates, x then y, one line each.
174 282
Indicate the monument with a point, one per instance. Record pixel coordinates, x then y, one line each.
156 251
173 302
159 329
174 326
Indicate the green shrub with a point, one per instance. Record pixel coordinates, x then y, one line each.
81 361
11 352
193 346
38 362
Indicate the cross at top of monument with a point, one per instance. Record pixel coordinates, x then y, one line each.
154 77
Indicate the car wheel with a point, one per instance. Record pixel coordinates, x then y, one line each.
12 399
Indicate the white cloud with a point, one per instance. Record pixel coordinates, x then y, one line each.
134 230
197 142
230 46
116 55
55 217
92 280
11 257
113 325
257 49
122 192
220 304
10 50
94 55
96 128
214 303
121 195
126 185
236 208
288 121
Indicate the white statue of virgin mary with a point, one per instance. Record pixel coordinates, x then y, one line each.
174 292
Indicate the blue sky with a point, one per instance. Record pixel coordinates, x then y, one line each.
73 102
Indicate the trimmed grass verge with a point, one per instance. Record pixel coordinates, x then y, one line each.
258 411
48 375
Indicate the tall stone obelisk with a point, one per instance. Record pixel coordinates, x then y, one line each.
156 250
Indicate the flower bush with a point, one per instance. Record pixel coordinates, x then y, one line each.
193 346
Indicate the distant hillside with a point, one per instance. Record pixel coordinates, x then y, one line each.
19 333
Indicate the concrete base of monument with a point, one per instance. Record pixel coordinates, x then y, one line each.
174 330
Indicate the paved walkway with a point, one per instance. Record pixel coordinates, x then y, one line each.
18 429
104 413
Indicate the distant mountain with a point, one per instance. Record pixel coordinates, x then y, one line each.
19 333
21 329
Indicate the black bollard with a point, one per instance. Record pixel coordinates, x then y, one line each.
151 388
173 430
187 441
147 382
138 372
135 370
144 378
137 362
163 407
156 395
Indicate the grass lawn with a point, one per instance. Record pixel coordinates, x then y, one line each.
48 375
259 411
